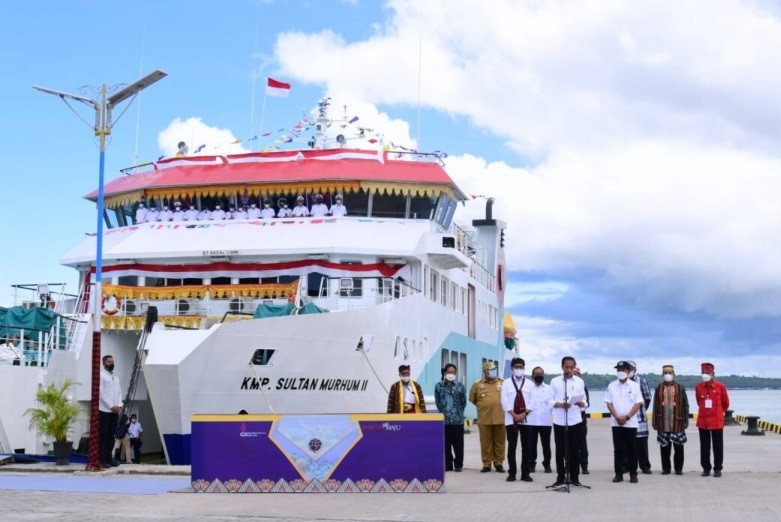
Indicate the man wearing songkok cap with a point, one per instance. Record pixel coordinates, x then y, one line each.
670 418
486 395
713 401
624 398
405 395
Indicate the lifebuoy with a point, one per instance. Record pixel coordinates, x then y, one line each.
115 308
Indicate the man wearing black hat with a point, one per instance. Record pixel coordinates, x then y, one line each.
515 392
405 395
623 398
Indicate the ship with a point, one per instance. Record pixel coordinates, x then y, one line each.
308 314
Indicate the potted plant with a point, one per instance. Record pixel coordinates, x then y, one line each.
55 416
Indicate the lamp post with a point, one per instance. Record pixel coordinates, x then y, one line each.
103 106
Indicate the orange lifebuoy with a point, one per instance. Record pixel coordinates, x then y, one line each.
115 309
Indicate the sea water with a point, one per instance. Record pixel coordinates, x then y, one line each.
764 403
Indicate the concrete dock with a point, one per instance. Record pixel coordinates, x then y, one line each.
750 489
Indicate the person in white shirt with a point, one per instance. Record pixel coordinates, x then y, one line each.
178 215
141 213
191 214
231 212
284 210
515 391
218 214
205 215
153 215
623 398
109 406
253 212
319 209
166 214
267 211
538 420
241 213
134 431
337 209
568 396
300 209
10 353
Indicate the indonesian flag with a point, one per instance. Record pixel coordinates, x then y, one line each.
277 88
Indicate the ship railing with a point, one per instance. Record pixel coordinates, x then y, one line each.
346 293
481 274
463 239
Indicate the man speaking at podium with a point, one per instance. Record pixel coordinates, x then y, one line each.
569 395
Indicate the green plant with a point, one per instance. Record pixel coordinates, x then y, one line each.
56 413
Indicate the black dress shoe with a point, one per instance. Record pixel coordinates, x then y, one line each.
499 469
618 478
576 484
448 469
526 478
548 470
705 473
511 478
647 472
458 470
678 472
666 472
584 470
485 470
557 484
717 474
633 478
114 463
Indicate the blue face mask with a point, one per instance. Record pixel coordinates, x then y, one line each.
492 374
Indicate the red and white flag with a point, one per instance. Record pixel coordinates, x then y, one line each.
277 88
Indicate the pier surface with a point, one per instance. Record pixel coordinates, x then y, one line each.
750 489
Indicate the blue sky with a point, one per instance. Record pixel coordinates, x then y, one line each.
632 147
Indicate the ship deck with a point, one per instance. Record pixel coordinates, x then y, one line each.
747 490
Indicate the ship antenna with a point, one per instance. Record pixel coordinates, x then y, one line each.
254 79
140 74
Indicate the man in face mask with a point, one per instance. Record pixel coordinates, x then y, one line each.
405 395
538 421
109 408
624 398
134 431
713 401
486 395
642 420
670 419
515 392
450 396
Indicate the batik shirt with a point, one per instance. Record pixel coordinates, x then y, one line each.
642 417
451 401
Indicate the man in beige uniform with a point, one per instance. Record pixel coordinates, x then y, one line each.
486 395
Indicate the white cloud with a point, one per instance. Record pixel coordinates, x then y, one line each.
194 132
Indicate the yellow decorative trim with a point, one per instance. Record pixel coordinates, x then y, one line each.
406 189
136 323
119 200
263 291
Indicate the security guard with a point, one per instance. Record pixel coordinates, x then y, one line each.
486 395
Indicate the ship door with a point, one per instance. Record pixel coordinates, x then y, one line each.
471 311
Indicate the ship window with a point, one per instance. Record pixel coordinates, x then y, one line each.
173 282
221 280
357 283
397 347
192 281
313 282
385 205
421 207
445 356
128 280
248 280
262 357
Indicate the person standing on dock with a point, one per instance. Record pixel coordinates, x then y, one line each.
134 431
670 419
567 391
583 458
515 392
110 406
539 420
624 398
713 401
642 420
406 396
450 396
486 395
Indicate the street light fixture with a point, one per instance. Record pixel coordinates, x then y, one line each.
103 125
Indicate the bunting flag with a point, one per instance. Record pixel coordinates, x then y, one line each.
199 149
276 88
353 119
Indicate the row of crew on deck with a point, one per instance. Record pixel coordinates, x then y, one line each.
319 209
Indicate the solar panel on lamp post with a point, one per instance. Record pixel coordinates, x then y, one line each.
103 106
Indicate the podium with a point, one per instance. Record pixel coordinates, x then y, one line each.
350 453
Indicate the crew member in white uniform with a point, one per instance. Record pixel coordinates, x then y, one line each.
178 214
253 212
191 214
166 214
319 209
267 211
241 213
141 213
337 209
205 215
300 209
231 213
153 216
284 210
218 214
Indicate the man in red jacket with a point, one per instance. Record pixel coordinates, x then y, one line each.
713 401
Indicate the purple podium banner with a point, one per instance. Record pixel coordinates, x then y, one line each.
352 453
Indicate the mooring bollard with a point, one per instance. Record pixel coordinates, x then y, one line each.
729 420
752 427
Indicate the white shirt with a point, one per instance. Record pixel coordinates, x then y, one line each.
110 392
539 401
240 214
285 212
166 215
134 429
218 215
409 395
178 215
300 211
575 387
623 396
204 215
191 215
338 210
141 213
152 215
267 212
508 396
253 213
319 210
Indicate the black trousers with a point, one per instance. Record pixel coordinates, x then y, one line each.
677 449
512 445
706 436
135 443
107 426
624 450
574 437
642 454
584 441
543 432
454 446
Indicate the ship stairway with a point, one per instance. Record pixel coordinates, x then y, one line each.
151 319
